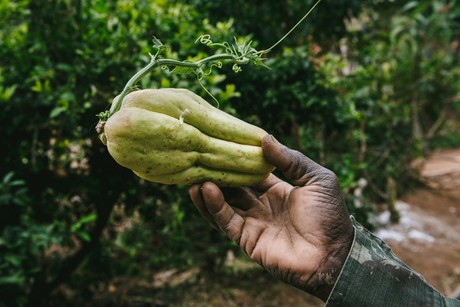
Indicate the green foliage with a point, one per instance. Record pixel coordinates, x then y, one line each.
22 241
175 238
56 74
399 83
361 87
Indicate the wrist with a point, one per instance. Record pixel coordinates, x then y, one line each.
322 282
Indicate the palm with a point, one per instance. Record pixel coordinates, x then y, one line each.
271 221
282 228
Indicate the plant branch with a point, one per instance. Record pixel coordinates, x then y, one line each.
154 63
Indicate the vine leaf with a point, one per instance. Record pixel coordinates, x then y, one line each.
158 46
183 70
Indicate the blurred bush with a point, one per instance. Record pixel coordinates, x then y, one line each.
362 87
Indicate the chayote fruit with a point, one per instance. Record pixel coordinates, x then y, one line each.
173 136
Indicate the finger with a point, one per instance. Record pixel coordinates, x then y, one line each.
221 212
293 164
197 198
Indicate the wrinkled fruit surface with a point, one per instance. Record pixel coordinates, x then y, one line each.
173 136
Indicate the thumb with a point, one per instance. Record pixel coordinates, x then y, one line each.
293 164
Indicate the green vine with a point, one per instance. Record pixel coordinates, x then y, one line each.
238 54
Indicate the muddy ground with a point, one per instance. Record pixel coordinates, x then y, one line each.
428 235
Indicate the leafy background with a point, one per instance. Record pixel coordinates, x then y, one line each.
363 87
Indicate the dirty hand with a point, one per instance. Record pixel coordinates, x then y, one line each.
300 233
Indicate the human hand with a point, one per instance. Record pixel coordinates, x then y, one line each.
300 233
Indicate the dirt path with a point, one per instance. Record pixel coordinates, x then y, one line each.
428 235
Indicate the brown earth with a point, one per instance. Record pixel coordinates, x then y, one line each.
427 238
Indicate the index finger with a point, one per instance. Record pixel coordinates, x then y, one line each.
197 198
221 212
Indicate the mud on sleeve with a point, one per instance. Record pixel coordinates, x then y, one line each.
373 276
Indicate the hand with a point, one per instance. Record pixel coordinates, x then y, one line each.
300 233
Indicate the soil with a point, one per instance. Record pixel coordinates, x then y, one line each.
427 238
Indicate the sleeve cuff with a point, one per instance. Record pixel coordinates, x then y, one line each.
373 276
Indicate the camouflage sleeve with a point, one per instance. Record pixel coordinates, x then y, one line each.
373 276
